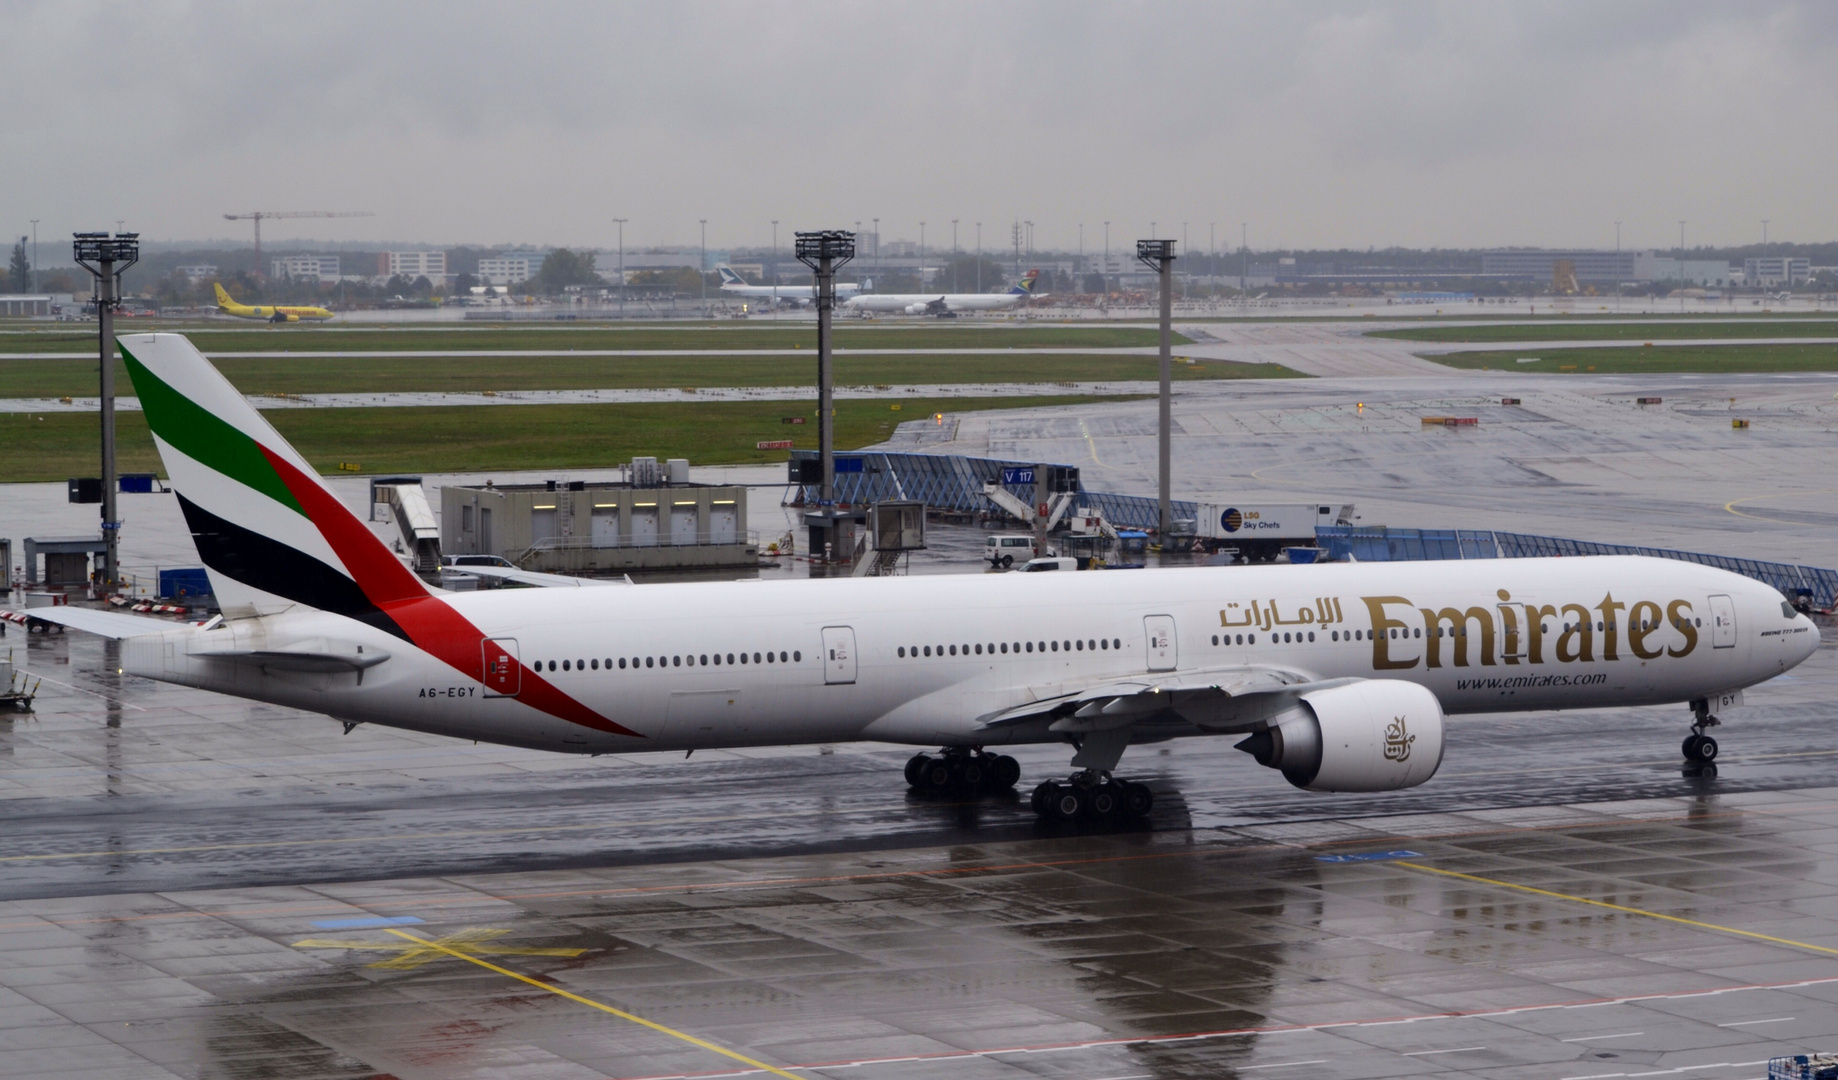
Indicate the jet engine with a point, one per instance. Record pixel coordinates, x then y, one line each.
1371 735
917 309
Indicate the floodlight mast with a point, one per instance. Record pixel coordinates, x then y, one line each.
824 252
1158 255
107 258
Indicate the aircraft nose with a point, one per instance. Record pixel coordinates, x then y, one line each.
1808 641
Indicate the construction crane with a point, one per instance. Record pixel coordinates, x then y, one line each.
257 216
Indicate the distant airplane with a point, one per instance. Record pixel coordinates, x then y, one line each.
946 305
266 312
791 295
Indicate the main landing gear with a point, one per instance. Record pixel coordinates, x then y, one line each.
957 768
1092 794
1699 748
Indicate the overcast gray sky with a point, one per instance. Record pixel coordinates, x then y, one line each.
1421 124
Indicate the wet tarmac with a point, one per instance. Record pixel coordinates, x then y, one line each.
195 886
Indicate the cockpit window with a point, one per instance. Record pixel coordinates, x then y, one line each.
1787 610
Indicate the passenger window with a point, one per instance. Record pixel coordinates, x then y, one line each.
979 648
797 656
1311 636
580 665
1253 639
756 658
902 652
928 650
1005 646
1030 646
596 665
953 650
622 663
1116 643
1055 645
647 661
703 659
1104 643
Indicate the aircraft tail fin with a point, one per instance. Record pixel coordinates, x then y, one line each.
729 276
1025 287
271 535
224 299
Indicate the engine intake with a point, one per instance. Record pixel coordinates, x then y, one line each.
1372 735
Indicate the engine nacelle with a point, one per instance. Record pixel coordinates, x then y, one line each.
1372 735
917 309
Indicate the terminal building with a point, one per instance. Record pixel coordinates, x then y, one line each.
1591 267
656 520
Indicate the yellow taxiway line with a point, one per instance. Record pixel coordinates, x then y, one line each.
1620 907
592 1004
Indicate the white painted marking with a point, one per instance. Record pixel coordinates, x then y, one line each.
1616 1035
1282 1064
1746 1023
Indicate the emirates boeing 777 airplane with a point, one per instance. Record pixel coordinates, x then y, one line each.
1338 676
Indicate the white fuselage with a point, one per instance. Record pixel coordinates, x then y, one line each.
790 294
932 302
920 660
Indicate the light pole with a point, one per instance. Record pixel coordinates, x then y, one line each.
953 254
32 286
877 246
621 223
775 268
1681 263
702 267
1158 255
922 254
1244 251
823 252
1764 238
105 252
979 256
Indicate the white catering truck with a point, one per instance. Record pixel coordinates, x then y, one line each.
1260 531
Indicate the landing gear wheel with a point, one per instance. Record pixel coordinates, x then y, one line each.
1067 804
913 766
936 775
1699 749
971 773
1137 799
1105 799
1004 772
1043 796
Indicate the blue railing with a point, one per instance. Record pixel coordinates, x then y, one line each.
1378 544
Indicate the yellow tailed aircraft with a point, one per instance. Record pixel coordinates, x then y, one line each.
268 313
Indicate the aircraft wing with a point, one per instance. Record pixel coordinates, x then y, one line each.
1216 698
532 577
108 624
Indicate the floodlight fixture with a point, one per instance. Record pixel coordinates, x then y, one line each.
836 246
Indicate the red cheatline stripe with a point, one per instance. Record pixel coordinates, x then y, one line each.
429 622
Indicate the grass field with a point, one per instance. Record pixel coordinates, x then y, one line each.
1665 331
57 446
692 336
1618 360
77 377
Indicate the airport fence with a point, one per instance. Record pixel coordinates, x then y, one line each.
1817 585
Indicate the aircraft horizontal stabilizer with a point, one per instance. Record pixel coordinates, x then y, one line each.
108 624
301 659
533 577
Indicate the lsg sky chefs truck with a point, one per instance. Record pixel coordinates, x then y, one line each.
1260 531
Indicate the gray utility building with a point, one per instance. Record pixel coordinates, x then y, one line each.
579 527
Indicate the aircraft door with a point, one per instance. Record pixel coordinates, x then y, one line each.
503 671
1160 632
1722 622
838 655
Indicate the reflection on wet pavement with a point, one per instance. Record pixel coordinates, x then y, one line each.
191 886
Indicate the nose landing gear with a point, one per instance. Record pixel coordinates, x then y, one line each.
1092 793
1699 748
957 768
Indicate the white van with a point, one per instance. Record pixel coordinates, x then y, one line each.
1006 550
